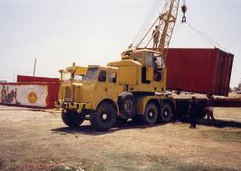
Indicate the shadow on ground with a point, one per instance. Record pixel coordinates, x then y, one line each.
87 129
220 123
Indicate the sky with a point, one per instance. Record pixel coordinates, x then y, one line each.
60 32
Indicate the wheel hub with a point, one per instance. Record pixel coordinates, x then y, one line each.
150 114
104 116
165 113
128 105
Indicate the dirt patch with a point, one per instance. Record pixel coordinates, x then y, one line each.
38 140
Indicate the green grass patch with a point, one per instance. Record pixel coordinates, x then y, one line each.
136 162
223 135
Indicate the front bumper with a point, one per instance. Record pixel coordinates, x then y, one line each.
73 106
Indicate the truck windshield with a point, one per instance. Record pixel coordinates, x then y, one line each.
92 73
78 77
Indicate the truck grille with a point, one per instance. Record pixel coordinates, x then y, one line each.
67 96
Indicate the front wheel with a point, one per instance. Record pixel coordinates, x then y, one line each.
72 118
104 118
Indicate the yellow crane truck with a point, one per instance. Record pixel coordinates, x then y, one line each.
122 90
132 88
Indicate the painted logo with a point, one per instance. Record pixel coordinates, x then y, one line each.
32 97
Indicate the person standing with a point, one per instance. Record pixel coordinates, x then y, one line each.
194 108
209 107
4 94
155 36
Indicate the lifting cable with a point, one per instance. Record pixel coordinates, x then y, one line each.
146 24
207 38
151 15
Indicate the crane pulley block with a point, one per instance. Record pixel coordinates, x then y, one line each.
184 10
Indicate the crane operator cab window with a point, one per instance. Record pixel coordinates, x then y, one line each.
138 57
155 61
149 59
158 65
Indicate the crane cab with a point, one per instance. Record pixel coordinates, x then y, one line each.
144 69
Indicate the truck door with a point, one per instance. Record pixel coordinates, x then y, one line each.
101 89
112 88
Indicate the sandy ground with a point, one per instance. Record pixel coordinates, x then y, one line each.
38 140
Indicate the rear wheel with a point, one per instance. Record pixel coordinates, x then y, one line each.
72 118
150 116
165 114
104 118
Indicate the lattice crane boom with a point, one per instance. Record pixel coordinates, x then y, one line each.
159 34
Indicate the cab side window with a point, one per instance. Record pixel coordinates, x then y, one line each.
138 57
112 77
102 76
149 60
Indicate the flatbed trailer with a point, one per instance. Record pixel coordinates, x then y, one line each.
182 103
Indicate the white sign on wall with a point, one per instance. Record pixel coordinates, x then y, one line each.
26 95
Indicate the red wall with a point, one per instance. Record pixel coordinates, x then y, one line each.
26 79
53 85
53 89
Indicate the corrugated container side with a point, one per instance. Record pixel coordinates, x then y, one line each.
183 71
199 70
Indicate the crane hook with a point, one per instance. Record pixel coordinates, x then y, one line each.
184 10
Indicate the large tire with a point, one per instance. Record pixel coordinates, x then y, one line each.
104 118
150 116
72 118
166 113
127 105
